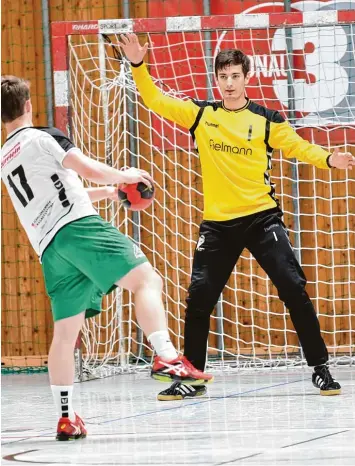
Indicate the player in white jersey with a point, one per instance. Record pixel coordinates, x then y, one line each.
82 256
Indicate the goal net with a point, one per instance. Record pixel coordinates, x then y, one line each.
307 72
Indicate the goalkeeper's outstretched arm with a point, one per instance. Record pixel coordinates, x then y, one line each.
284 137
183 112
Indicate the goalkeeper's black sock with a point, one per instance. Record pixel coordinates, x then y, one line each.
316 368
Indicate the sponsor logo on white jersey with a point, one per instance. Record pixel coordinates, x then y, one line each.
42 217
11 155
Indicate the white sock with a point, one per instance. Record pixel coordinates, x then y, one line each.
161 343
63 396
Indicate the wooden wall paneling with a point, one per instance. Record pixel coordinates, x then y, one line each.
171 246
341 271
37 70
39 307
190 213
25 292
180 214
335 310
56 10
23 44
14 57
10 316
243 304
275 318
287 186
351 250
324 223
322 276
329 282
10 321
41 339
112 9
10 331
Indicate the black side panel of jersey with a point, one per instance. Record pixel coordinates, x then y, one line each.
202 104
64 142
271 115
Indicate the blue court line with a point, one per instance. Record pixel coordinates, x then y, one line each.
148 413
217 398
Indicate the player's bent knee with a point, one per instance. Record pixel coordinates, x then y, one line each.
141 276
153 280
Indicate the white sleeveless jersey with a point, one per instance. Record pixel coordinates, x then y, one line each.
46 196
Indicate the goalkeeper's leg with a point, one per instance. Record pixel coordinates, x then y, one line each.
269 243
214 260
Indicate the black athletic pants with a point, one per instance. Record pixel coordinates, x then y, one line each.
217 251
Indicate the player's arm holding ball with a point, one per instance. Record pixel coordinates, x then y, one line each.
100 173
136 190
103 192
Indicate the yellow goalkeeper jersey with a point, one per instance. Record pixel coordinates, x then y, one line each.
235 148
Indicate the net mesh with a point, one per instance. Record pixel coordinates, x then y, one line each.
308 74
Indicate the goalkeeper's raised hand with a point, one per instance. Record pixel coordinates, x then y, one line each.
343 160
132 48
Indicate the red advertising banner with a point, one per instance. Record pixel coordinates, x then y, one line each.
321 60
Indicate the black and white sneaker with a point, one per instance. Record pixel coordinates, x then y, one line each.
179 391
322 379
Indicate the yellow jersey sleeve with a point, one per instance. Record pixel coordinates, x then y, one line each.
182 112
283 136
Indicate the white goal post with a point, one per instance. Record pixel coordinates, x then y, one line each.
302 65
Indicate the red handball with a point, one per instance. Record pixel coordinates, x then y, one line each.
137 196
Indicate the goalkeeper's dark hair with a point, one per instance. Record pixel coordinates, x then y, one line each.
14 94
232 57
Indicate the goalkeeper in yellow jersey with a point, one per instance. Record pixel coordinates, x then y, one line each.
235 138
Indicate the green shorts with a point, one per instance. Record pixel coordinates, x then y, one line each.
83 262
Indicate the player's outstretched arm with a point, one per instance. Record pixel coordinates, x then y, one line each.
283 136
183 112
102 192
103 174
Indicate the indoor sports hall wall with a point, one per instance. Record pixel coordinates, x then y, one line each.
26 317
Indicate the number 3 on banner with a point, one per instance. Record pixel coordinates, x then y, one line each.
332 81
20 172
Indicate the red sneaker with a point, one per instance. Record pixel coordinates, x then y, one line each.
179 369
69 430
